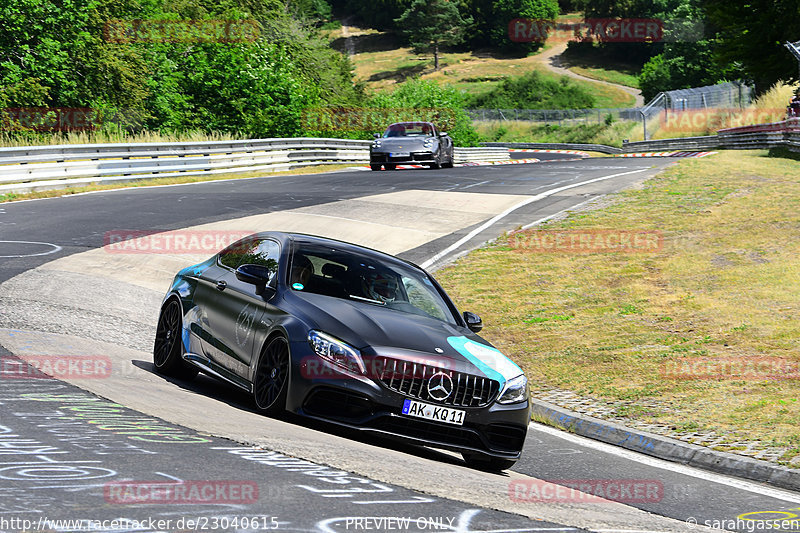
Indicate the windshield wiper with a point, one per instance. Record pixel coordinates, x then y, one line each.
369 300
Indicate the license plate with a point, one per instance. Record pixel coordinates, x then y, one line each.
400 154
433 412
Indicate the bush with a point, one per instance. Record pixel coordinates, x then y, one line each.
533 91
428 94
427 97
63 59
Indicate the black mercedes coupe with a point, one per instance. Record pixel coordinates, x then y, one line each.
349 335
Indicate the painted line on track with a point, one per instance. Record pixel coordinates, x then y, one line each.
54 248
646 460
433 260
545 219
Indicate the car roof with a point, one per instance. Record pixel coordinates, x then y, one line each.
290 237
415 123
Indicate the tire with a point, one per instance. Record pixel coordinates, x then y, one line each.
271 383
437 160
168 346
390 166
375 167
487 463
450 161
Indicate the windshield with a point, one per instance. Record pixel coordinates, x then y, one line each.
340 274
409 129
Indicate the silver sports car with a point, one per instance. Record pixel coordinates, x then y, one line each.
411 143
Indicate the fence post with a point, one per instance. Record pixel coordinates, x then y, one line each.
644 124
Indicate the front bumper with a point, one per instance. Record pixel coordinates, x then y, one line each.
377 158
360 403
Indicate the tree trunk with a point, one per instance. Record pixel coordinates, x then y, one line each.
435 56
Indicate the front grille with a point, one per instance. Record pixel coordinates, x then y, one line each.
411 379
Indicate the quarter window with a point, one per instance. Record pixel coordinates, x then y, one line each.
262 252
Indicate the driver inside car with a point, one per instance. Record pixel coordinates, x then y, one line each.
302 269
381 287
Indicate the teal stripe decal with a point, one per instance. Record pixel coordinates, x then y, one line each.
490 361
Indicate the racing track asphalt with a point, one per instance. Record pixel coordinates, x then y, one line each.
68 310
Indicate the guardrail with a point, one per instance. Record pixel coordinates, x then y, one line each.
785 133
602 148
709 142
759 136
32 168
481 153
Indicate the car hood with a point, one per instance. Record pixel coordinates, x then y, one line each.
380 331
405 144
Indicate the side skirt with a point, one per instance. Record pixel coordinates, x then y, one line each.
217 371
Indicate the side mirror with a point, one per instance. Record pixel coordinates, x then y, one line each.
257 275
474 322
442 134
376 135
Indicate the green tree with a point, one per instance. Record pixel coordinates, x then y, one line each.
750 37
504 11
687 59
61 44
379 14
55 53
429 24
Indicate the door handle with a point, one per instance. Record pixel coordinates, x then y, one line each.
221 285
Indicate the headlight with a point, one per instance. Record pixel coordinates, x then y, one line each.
427 144
376 144
336 351
516 390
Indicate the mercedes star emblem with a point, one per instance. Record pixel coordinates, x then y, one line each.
440 386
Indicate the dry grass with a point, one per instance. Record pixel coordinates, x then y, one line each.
524 131
95 137
776 98
382 67
769 107
11 197
724 285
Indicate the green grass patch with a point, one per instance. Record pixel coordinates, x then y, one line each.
723 285
594 62
611 76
